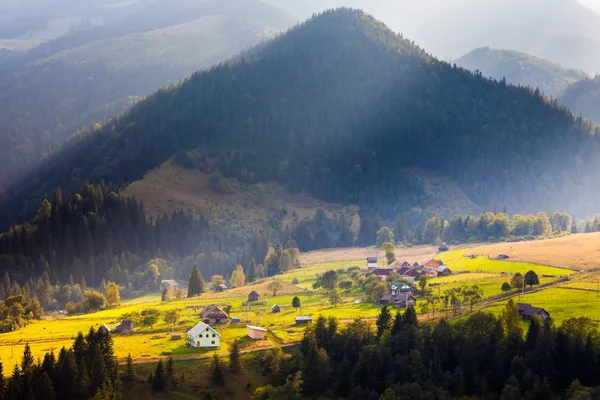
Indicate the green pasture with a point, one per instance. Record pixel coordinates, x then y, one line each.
456 261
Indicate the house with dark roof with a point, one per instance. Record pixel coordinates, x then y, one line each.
253 296
527 311
214 315
383 273
502 257
443 271
443 247
125 326
405 264
400 300
276 308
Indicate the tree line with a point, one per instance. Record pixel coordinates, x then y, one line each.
484 356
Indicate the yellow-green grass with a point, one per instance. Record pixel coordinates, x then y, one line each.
457 261
579 251
562 303
197 380
308 275
147 343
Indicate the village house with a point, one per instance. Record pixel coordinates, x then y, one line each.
125 327
527 311
502 257
275 308
203 336
443 271
400 287
383 273
303 319
166 282
221 288
253 296
432 263
214 315
104 328
256 332
400 300
371 263
443 247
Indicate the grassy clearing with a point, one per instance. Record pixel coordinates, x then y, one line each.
580 252
457 261
562 303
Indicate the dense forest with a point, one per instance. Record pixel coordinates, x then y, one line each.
96 236
363 103
96 72
400 358
521 69
584 98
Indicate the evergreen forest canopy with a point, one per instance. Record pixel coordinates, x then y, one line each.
521 69
338 107
94 72
584 98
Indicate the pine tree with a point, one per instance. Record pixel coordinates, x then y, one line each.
383 321
27 362
129 369
196 284
234 356
218 377
169 372
159 380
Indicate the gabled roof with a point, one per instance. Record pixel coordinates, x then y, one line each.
405 264
199 328
208 310
169 281
382 271
529 310
222 286
254 292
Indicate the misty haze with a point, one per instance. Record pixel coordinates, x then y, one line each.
289 199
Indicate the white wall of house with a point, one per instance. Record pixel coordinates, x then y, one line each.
208 338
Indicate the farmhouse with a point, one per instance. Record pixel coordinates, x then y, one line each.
125 326
443 247
432 263
405 264
383 273
256 332
253 296
275 308
302 319
371 263
166 282
527 311
401 300
214 315
221 288
203 336
400 287
444 271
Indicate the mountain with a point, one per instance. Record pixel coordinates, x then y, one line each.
584 98
91 73
521 69
562 31
339 107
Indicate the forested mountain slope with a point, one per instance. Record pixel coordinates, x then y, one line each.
89 74
337 107
584 97
521 69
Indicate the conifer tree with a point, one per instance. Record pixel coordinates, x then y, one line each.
159 380
217 376
196 284
234 356
129 369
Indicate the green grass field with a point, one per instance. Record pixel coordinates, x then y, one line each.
456 261
562 303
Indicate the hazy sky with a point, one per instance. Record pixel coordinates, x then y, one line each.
591 4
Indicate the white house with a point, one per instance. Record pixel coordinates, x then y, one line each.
256 332
371 263
204 337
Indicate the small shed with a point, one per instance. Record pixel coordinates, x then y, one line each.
443 247
125 326
502 257
253 296
203 336
235 320
371 263
221 288
527 311
256 332
166 282
303 319
276 308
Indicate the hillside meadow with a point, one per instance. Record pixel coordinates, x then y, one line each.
579 252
